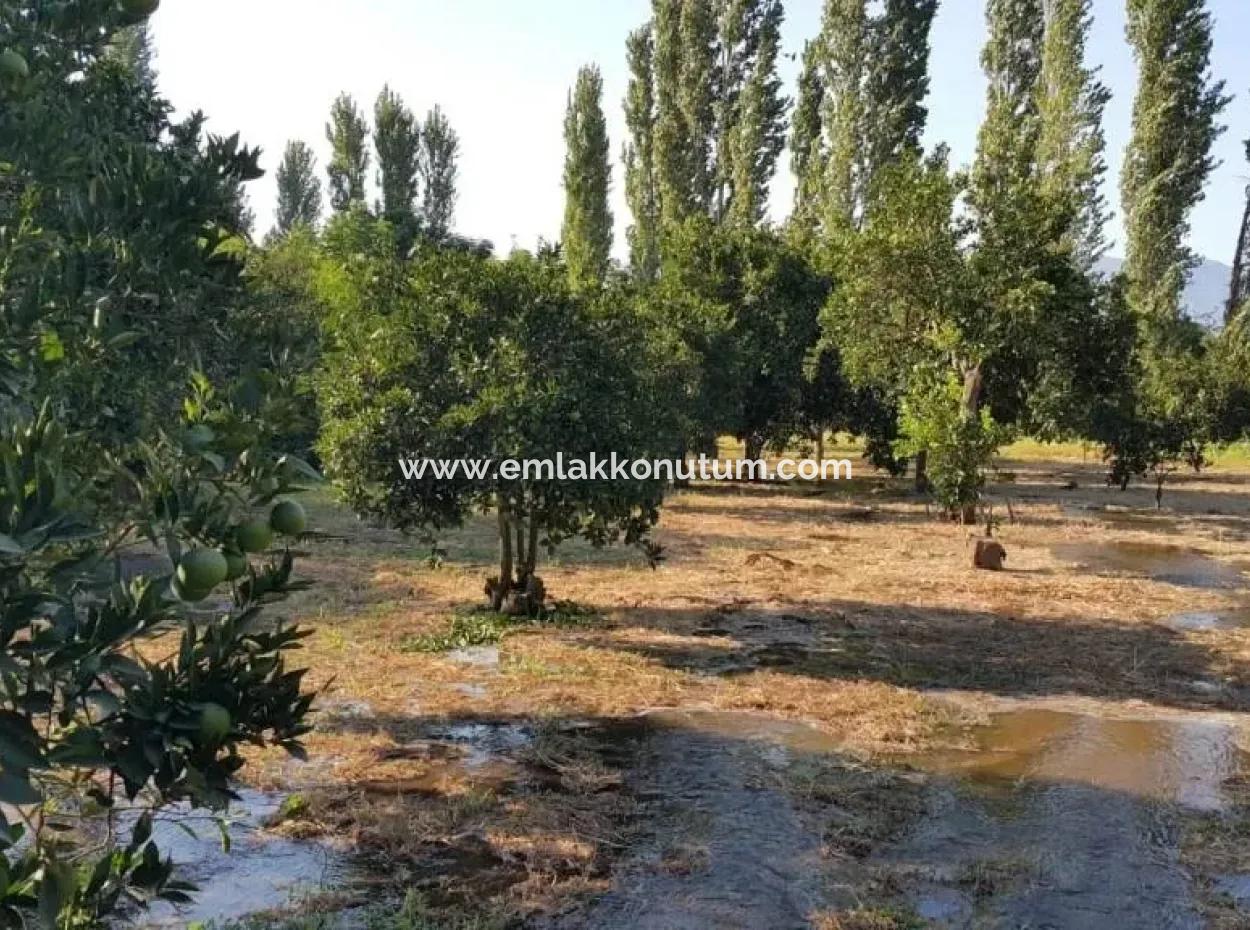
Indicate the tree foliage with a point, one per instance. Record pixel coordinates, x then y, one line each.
438 171
299 191
397 139
120 262
460 356
348 135
587 233
641 186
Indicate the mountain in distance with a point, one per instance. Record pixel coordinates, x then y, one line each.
1205 296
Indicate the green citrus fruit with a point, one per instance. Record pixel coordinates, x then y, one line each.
254 536
236 564
202 570
191 595
215 723
140 9
287 518
13 65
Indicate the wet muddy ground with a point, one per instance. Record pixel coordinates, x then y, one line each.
814 716
259 872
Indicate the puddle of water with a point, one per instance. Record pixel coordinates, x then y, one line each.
259 873
1236 887
484 743
943 905
1209 620
476 656
781 734
1133 519
1171 564
1172 760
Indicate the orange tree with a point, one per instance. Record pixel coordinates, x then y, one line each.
458 356
120 251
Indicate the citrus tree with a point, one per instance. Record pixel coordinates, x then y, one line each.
456 356
124 227
137 532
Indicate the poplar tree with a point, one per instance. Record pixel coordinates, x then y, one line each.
843 40
1169 156
685 32
438 172
861 105
753 133
807 150
299 191
705 102
348 135
1239 291
1005 170
587 231
897 82
397 139
641 192
1071 142
697 96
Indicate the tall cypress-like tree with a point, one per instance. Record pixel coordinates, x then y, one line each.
685 52
897 82
348 135
1071 142
299 191
397 139
754 133
807 149
705 100
587 231
1175 124
697 95
438 171
861 105
1239 290
641 190
1005 170
843 40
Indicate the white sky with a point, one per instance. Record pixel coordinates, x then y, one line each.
501 70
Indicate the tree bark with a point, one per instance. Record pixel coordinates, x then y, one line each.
973 381
753 447
531 554
500 595
922 472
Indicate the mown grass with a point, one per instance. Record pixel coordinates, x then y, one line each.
890 609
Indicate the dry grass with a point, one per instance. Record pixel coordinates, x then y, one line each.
840 604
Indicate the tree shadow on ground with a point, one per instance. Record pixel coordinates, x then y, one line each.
941 648
691 818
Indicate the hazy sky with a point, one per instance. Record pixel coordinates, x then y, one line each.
501 70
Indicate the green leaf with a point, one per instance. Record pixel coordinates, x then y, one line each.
16 789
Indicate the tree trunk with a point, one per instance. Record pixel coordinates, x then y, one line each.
973 381
531 555
820 446
753 447
972 392
922 472
499 596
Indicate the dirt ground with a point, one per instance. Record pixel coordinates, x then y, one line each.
803 683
